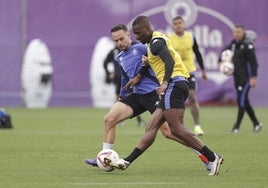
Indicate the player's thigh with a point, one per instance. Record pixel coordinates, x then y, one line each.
174 118
119 111
156 120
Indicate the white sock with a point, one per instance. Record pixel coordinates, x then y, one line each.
107 146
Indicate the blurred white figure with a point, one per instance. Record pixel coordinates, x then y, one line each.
36 75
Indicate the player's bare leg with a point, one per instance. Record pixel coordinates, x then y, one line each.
117 113
195 110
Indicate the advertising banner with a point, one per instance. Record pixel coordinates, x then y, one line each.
77 34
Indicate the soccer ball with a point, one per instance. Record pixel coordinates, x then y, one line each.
100 159
227 55
227 68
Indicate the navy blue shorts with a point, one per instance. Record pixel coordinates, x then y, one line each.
175 95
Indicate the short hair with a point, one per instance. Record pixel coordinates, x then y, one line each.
178 18
239 26
141 20
119 27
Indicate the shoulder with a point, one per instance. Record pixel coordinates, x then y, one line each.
120 54
139 47
172 35
248 45
157 42
188 33
156 45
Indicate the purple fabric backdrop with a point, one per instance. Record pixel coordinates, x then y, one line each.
10 52
71 29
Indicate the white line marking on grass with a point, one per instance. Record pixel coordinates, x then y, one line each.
128 183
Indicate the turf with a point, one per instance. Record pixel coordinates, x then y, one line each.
47 148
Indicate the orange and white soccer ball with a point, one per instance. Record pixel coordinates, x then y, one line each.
100 159
227 68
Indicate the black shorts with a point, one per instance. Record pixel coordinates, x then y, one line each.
192 82
141 102
175 95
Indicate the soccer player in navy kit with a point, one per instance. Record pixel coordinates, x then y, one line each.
143 96
171 74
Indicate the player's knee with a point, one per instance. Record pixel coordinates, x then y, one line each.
109 121
193 98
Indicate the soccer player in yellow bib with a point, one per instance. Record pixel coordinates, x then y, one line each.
173 91
185 44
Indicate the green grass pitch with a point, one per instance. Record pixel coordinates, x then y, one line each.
47 148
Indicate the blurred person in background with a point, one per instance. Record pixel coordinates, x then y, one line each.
245 74
186 45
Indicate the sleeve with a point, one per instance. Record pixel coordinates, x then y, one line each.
143 49
198 54
144 68
252 60
159 48
124 80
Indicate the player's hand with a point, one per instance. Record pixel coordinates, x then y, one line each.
132 82
144 60
204 75
253 82
162 89
111 76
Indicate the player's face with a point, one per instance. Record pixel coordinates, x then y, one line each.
238 33
141 33
121 39
178 26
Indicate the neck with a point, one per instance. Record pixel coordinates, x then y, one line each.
180 33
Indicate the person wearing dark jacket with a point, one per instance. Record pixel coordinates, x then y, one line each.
245 75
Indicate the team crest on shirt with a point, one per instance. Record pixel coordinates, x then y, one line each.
134 51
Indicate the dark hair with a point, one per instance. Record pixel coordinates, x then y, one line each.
140 20
119 27
239 26
178 18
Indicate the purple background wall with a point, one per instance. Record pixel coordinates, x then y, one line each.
71 29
